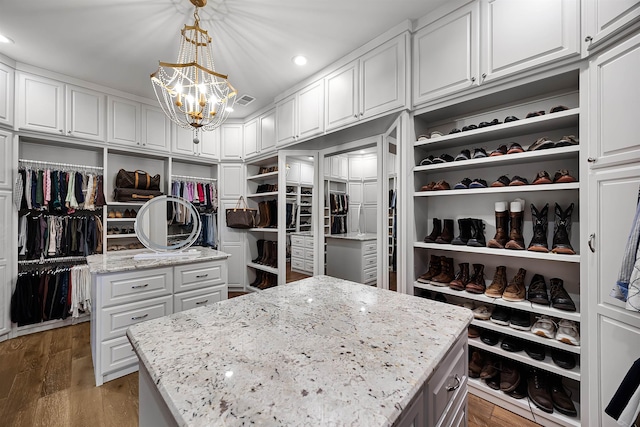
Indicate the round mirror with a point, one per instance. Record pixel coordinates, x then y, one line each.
167 224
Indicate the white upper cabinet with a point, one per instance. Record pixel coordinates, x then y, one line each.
445 55
6 160
208 147
6 94
231 141
123 119
40 104
306 173
604 19
260 135
341 96
300 115
286 120
520 35
85 113
250 136
156 128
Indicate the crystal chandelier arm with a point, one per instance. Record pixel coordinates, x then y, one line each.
191 64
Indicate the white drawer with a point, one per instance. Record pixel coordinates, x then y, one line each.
199 297
297 263
297 252
117 354
116 320
370 247
297 240
308 254
370 261
201 275
441 388
308 242
135 286
453 415
370 275
308 266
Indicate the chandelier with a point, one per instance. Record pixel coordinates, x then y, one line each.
191 93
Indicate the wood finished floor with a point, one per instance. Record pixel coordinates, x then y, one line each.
46 379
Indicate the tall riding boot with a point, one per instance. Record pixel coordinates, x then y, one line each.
260 244
264 215
462 278
273 213
266 252
257 280
477 239
516 241
435 231
502 225
540 227
446 272
273 258
561 244
447 233
464 225
476 283
433 271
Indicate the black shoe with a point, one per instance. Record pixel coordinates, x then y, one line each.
521 391
511 344
440 298
564 359
520 320
501 315
493 382
489 337
535 351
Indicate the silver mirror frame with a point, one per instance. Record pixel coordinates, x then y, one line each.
182 245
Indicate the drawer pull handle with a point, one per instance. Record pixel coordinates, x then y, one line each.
456 386
200 276
592 240
202 302
140 317
140 286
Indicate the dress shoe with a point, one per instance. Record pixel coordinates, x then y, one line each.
544 327
502 181
568 332
501 315
462 184
500 151
489 337
464 155
509 377
520 320
478 183
434 270
512 344
498 284
515 148
560 298
538 390
535 351
564 359
119 214
542 178
112 214
541 144
563 176
561 400
537 292
515 290
441 185
475 364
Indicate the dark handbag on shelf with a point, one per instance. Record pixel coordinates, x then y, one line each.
241 216
134 195
138 179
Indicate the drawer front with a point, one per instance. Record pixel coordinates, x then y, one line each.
297 252
297 241
456 409
308 266
370 261
308 254
370 275
297 263
201 275
135 286
117 319
446 382
199 297
308 242
117 354
370 247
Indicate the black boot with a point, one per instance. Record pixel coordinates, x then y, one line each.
477 239
258 279
260 244
435 231
447 232
464 225
273 213
561 244
540 227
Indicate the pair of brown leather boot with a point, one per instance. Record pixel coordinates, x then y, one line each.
267 253
473 283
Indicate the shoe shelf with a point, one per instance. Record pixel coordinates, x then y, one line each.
258 195
519 305
549 256
121 236
526 335
491 162
271 176
268 269
523 407
265 229
121 219
496 190
135 204
522 357
539 124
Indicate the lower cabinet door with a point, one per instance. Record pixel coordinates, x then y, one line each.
117 354
413 416
445 384
198 298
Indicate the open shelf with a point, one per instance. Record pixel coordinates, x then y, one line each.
265 229
257 195
271 270
269 175
121 236
549 256
498 190
137 204
120 219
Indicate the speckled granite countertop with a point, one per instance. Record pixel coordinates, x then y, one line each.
353 236
114 262
320 351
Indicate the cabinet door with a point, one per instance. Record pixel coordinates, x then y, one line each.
382 78
341 97
355 168
123 121
210 144
231 181
605 18
231 141
370 167
311 110
40 104
335 167
156 128
5 294
293 173
7 97
344 168
183 141
612 76
518 36
6 246
86 116
6 160
268 132
445 55
306 174
286 120
250 134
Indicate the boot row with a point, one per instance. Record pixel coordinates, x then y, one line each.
267 188
471 232
264 280
267 253
267 214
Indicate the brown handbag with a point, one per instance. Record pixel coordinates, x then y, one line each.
241 216
137 179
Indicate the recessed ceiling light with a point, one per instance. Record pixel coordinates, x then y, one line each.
310 157
299 60
5 39
229 109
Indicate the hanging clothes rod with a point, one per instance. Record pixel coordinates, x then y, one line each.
51 260
26 162
194 178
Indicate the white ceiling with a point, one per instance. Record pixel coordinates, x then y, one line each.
118 43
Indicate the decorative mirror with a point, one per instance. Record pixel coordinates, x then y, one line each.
168 226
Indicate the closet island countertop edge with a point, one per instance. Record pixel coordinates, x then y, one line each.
320 351
119 261
353 236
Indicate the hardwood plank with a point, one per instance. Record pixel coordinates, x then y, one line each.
21 404
61 339
53 410
86 408
117 403
11 346
36 350
57 375
503 418
479 412
81 340
82 377
9 368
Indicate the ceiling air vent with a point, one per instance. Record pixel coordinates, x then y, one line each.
245 100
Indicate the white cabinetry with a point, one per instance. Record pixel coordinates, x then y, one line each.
156 128
231 141
301 115
371 85
604 19
7 97
208 147
6 220
6 161
338 167
85 117
353 258
260 135
302 253
133 124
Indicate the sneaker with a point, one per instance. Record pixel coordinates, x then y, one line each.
489 337
520 320
544 327
567 141
478 183
479 153
564 359
443 158
568 332
462 184
541 144
501 316
535 351
482 312
500 151
464 155
427 160
515 148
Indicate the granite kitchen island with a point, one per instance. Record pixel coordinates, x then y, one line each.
320 351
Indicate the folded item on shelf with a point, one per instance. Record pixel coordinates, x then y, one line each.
134 194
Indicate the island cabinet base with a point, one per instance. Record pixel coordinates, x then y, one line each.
153 412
